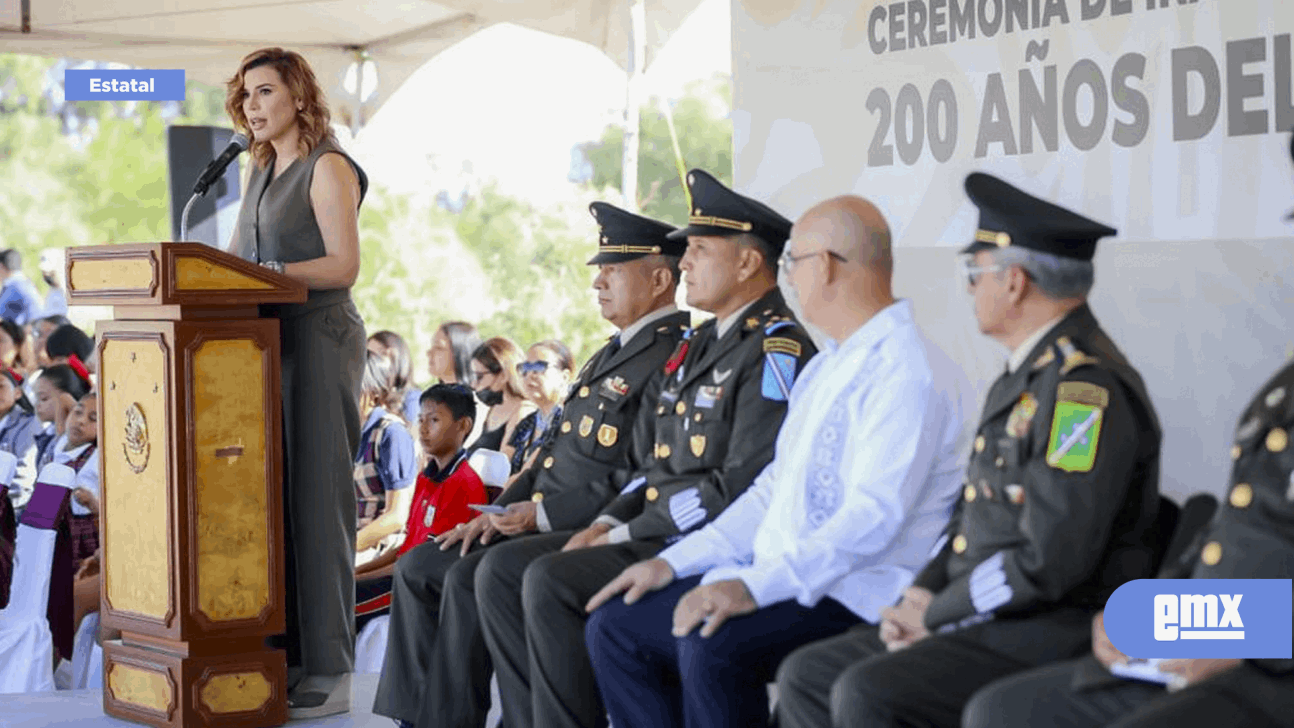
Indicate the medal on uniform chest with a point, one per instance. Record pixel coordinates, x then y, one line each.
1017 423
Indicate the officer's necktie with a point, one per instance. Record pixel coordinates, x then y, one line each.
614 346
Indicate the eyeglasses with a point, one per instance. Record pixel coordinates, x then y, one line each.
973 272
526 367
788 261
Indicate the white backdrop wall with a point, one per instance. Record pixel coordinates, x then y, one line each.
1165 118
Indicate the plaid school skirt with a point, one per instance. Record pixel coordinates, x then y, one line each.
84 532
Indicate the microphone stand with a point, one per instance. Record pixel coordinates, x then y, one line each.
184 217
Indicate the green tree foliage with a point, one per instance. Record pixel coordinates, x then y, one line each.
704 127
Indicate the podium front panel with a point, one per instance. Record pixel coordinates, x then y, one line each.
192 527
232 538
135 459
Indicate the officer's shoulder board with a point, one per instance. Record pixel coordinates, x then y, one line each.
781 356
1080 408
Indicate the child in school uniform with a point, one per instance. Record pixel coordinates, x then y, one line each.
80 452
385 465
18 427
55 394
442 494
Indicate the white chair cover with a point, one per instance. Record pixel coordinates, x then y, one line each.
491 466
26 646
370 646
87 656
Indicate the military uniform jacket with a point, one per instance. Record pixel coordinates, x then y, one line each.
1252 533
717 417
1062 489
591 456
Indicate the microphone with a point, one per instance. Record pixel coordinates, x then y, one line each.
237 146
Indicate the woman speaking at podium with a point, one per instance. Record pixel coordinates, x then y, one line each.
300 218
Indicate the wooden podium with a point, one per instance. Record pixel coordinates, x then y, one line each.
191 459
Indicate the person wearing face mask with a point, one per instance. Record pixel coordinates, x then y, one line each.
437 669
499 388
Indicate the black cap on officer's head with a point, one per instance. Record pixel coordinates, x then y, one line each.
625 236
1011 217
717 210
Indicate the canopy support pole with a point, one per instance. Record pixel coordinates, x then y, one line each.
633 102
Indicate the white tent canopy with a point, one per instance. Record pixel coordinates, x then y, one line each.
208 37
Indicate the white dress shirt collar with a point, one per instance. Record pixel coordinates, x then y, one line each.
1022 351
722 326
877 328
629 332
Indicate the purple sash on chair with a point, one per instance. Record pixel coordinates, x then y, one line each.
8 537
48 509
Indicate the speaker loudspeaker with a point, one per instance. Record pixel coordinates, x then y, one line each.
189 150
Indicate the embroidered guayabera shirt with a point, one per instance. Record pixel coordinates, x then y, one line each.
864 475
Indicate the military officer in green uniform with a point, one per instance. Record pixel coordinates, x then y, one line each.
437 668
1250 537
722 398
1059 502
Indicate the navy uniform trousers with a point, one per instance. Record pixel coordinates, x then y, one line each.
651 679
1052 696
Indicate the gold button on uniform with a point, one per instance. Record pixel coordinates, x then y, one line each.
538 497
660 410
979 444
1235 452
1001 461
566 427
969 493
652 495
584 392
697 417
1277 440
1242 495
959 544
1211 554
662 451
548 461
680 408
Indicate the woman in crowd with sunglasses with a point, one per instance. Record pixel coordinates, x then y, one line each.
499 388
545 377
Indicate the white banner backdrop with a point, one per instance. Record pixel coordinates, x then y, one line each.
1166 119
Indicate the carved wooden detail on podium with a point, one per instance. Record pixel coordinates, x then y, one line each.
199 274
115 273
136 523
234 692
232 536
148 688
